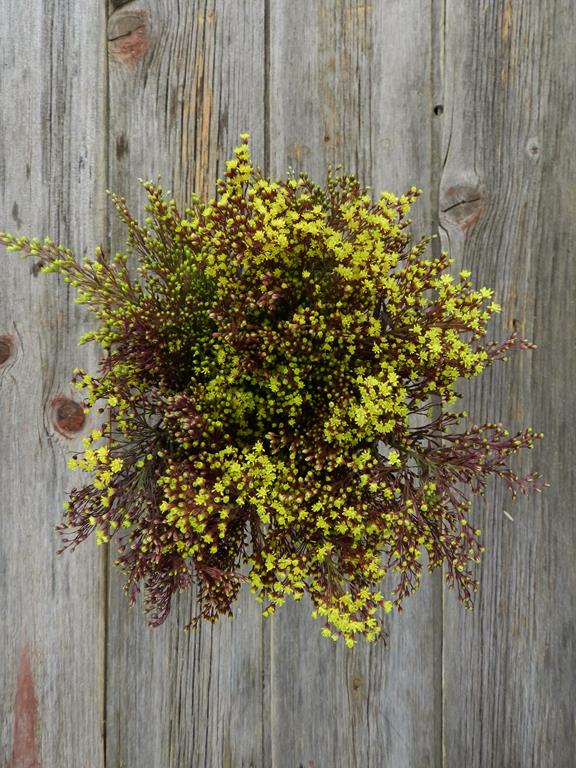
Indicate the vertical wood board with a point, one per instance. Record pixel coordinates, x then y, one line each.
182 89
507 205
52 172
350 84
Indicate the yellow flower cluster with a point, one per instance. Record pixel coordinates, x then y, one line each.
262 373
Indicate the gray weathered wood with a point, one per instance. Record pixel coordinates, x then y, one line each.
509 214
185 80
350 83
474 102
52 177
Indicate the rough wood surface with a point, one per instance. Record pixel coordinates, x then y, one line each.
52 176
345 79
474 102
509 205
185 80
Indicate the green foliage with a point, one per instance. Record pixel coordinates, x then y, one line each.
276 394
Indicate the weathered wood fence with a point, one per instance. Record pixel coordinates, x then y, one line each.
475 101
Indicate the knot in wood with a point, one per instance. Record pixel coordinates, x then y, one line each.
128 36
462 204
68 416
533 149
357 685
5 349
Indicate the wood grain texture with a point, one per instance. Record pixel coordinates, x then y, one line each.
185 80
52 124
509 206
350 83
474 102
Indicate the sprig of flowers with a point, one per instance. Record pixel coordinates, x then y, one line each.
277 398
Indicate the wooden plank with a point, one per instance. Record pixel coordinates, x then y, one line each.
509 202
52 172
350 83
185 80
